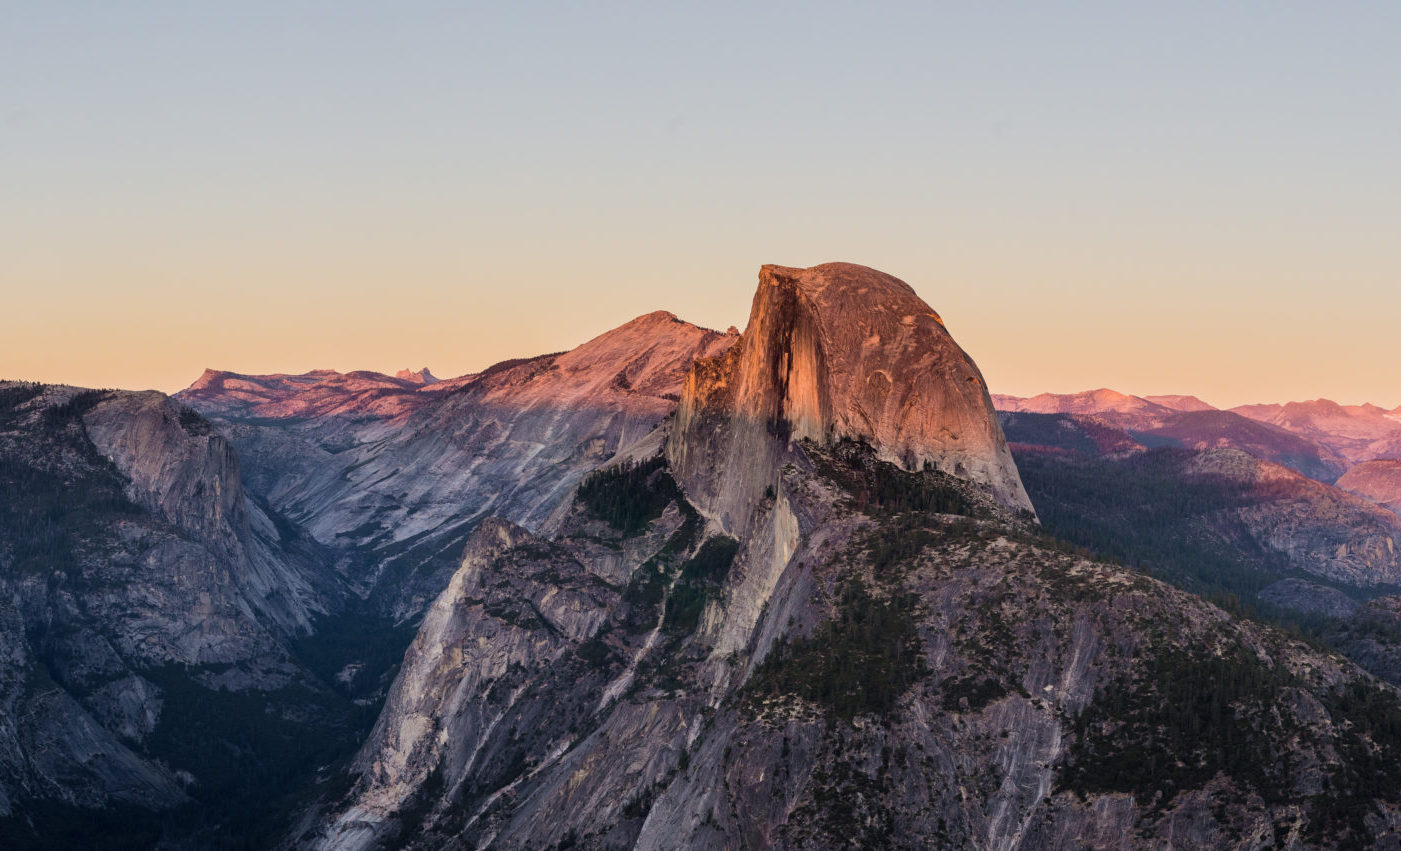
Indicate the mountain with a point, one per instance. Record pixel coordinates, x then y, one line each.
394 475
1180 403
1187 422
152 609
1355 432
1118 409
422 376
1260 539
1225 430
1379 481
1209 518
800 615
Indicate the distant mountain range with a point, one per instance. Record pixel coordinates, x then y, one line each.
1320 439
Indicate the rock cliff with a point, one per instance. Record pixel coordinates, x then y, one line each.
820 619
836 352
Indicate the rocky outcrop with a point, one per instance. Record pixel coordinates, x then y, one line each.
422 376
179 469
835 352
1378 481
913 679
1300 595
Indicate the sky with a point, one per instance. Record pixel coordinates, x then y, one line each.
1155 197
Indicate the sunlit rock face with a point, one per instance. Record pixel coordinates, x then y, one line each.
1379 481
398 473
836 351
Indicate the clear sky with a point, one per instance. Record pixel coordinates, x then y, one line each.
1155 197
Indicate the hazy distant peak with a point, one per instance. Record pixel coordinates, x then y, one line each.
422 376
1181 402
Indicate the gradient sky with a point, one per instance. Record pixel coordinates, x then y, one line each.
1156 197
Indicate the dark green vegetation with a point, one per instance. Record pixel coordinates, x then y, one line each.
1059 431
1181 720
48 514
869 653
46 825
700 581
1371 765
1142 511
859 662
1177 723
629 496
647 590
371 644
881 488
248 749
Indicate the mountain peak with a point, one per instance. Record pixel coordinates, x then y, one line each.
840 351
848 285
1179 402
422 376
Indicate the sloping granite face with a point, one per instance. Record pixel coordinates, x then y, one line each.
831 352
1318 528
903 679
1378 481
145 599
397 475
178 468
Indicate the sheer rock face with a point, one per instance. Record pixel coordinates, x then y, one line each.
836 351
180 470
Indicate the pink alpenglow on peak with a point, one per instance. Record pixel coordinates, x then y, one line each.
423 376
835 351
1356 432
